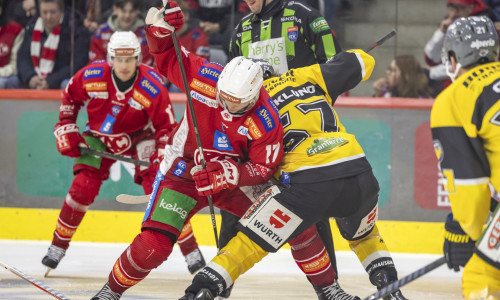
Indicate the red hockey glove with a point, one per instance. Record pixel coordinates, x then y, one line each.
162 21
68 139
217 176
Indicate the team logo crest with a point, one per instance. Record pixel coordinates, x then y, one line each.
292 33
221 141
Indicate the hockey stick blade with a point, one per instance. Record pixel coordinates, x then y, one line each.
392 287
114 156
382 40
34 282
129 199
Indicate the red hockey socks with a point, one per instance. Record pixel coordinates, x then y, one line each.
312 258
148 250
81 195
187 241
66 226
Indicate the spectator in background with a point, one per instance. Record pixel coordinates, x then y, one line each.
405 78
93 12
192 37
25 11
494 6
126 17
11 37
44 59
456 9
215 20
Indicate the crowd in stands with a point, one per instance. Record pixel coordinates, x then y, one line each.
44 42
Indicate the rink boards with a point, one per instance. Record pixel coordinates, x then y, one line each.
35 178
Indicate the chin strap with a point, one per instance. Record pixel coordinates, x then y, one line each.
450 73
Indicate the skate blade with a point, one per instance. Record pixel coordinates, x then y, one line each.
47 272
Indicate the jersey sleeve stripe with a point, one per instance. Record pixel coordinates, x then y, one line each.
362 64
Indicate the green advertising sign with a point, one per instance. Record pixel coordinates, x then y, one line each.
42 171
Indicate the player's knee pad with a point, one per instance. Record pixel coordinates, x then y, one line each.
268 222
83 190
150 249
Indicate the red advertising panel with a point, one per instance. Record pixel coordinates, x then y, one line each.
428 186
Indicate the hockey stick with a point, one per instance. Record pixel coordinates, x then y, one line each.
409 278
34 282
196 130
382 40
114 156
129 199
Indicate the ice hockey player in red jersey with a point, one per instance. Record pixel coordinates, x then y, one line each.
241 136
129 113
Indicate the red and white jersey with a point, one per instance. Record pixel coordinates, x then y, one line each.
114 116
253 140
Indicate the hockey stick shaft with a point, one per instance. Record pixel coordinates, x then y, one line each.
407 279
34 282
114 156
382 40
196 131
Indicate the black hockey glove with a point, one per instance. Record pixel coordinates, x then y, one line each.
458 246
207 278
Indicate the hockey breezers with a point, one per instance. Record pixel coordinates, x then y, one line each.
34 282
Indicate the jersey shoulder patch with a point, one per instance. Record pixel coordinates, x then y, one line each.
210 71
151 74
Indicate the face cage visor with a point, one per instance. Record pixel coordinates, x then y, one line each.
223 98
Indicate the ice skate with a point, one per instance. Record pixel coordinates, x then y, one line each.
52 258
333 292
106 294
195 261
381 279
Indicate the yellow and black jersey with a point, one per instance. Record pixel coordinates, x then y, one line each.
313 135
465 123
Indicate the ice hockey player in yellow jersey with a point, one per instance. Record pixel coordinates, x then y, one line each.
324 173
465 124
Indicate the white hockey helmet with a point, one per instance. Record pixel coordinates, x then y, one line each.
239 83
124 44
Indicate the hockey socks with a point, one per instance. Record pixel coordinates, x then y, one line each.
81 195
148 250
187 241
312 258
69 218
372 252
